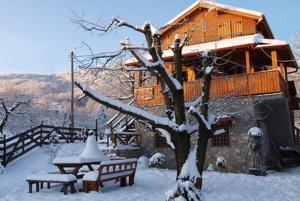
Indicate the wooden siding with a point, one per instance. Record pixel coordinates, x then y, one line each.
264 82
207 27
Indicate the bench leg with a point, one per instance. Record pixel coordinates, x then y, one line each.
37 186
42 185
123 181
30 187
84 187
48 185
73 190
131 180
65 189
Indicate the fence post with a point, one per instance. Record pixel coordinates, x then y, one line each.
23 142
41 134
4 151
70 132
96 130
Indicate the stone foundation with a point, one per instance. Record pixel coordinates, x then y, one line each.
128 153
237 154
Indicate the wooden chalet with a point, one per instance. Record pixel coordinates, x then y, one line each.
252 65
250 60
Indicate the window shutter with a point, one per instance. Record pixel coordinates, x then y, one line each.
237 28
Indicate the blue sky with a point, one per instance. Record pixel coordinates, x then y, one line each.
37 36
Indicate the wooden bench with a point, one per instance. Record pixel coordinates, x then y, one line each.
64 179
116 170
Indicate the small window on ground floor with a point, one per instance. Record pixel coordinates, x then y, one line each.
160 141
221 139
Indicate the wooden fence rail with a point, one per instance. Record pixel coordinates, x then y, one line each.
263 82
13 147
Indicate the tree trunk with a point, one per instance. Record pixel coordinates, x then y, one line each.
204 133
182 140
202 142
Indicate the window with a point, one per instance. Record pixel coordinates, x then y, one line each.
224 30
237 28
230 29
221 139
160 141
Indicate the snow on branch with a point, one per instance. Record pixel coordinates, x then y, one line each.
157 66
166 135
154 120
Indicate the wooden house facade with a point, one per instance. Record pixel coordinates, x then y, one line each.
252 66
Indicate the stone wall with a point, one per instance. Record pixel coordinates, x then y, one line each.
237 154
128 153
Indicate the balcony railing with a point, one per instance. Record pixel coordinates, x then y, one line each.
264 82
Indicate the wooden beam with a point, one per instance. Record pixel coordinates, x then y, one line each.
247 57
274 59
138 77
191 74
282 69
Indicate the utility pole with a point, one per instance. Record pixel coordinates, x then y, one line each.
72 89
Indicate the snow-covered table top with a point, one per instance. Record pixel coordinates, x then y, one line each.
76 160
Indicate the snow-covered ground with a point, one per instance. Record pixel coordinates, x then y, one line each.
150 185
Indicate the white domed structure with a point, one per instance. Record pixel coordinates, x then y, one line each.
92 151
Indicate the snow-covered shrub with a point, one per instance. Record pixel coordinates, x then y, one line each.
52 148
157 160
183 191
143 162
210 167
254 135
221 162
255 132
1 169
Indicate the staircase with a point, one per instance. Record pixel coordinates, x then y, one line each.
122 129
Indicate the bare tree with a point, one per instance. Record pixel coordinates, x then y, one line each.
7 111
175 127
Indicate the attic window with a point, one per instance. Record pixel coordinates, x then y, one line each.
230 29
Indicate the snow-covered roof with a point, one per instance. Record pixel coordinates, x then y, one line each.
257 40
210 4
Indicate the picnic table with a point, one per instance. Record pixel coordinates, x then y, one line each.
75 163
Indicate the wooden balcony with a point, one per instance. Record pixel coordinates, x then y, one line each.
264 82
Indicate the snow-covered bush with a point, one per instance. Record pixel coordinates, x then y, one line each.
157 160
52 148
143 162
221 162
255 132
210 167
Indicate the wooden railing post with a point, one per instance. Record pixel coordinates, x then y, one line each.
23 145
96 130
4 151
70 132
